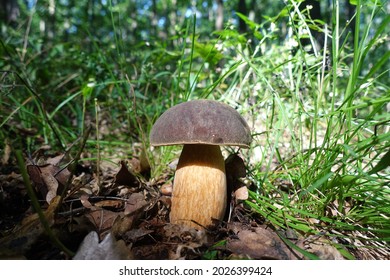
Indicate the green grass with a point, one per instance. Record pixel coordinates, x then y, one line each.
336 127
319 157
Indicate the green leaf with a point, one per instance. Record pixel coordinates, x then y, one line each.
344 252
318 183
208 52
252 25
307 254
382 164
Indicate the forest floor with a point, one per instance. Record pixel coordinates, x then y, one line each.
117 211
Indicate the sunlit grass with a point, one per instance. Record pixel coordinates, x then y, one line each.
319 157
314 137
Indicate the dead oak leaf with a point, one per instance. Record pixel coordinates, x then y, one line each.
134 207
102 219
258 243
135 202
125 177
322 248
48 179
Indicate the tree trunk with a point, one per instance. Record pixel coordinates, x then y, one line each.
219 15
243 10
10 11
154 19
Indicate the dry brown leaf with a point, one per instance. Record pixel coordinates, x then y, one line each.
51 185
258 243
135 202
135 234
55 160
135 205
84 199
166 189
235 167
48 178
323 249
125 177
102 219
34 172
24 236
141 164
114 204
241 193
135 165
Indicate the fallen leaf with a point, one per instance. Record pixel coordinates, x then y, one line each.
323 249
110 204
48 178
125 177
135 202
52 187
235 169
135 205
84 199
258 243
235 166
166 189
107 249
102 219
23 237
55 160
135 234
241 193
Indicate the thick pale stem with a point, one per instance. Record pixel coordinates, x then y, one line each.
199 190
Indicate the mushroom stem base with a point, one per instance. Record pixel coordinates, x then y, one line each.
199 190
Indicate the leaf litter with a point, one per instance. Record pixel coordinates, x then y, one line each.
127 217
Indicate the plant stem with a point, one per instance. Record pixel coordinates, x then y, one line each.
37 207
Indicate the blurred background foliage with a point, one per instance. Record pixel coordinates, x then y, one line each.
55 52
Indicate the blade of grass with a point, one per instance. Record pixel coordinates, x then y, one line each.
37 207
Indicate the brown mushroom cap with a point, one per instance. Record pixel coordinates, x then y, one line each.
201 122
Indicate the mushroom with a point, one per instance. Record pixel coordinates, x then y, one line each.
199 188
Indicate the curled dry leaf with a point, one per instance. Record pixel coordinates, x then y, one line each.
48 178
101 218
52 186
113 204
84 199
235 169
125 176
133 210
235 166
